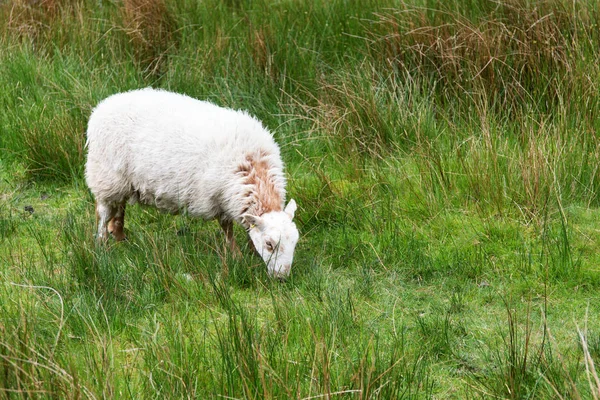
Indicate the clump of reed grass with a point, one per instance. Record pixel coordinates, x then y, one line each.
517 361
27 18
152 31
511 51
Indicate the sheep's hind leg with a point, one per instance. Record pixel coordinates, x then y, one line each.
104 213
116 224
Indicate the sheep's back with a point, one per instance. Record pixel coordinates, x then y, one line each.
169 149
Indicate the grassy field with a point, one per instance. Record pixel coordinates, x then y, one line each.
445 159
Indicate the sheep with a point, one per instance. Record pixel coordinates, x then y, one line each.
176 153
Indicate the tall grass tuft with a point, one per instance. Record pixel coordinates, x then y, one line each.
29 18
31 362
152 31
590 367
513 52
518 362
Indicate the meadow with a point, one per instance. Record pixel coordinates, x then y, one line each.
445 159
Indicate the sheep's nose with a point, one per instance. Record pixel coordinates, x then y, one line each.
282 272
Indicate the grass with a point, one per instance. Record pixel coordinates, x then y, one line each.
444 158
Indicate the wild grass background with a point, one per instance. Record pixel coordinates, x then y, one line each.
444 156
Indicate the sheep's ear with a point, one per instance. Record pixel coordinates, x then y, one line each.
252 221
290 209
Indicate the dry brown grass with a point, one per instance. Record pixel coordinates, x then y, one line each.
261 49
357 112
152 31
507 53
28 18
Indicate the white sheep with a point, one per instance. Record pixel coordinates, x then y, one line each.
178 153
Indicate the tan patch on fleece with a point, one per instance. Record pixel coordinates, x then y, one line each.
256 171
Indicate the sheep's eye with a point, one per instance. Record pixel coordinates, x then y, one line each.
269 246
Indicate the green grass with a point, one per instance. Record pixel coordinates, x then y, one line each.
444 157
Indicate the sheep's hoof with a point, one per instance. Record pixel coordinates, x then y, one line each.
116 230
119 236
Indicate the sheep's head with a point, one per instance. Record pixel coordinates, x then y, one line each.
274 236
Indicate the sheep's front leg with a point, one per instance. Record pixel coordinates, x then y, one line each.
104 213
116 224
227 227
